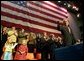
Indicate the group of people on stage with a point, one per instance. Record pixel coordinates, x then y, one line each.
21 45
16 44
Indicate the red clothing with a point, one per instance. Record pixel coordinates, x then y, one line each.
19 55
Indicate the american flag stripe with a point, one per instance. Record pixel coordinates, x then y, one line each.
53 10
30 17
8 13
34 12
46 11
48 23
24 12
41 18
26 20
27 24
55 6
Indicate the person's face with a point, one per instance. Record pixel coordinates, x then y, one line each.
24 42
13 28
27 36
22 30
66 22
9 40
39 35
53 35
5 28
45 34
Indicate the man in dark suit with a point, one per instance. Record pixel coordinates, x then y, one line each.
44 46
66 33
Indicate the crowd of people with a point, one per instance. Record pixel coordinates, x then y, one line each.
22 45
16 44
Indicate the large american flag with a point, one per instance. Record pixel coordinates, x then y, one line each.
35 16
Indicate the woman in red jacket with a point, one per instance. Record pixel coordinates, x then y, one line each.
21 51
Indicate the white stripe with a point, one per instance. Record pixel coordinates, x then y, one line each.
54 5
26 9
27 24
27 17
63 9
49 7
44 10
50 3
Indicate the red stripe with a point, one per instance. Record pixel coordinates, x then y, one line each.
8 24
26 20
55 7
48 9
27 13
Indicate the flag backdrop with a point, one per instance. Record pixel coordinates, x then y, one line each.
35 16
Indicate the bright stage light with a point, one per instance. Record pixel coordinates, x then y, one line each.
78 15
69 5
64 3
59 1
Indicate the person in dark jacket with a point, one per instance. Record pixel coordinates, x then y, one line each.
31 44
4 38
44 46
59 42
50 44
66 33
38 45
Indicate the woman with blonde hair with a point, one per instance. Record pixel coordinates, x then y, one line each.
31 46
8 48
21 51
